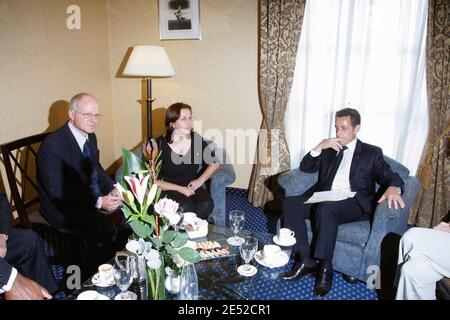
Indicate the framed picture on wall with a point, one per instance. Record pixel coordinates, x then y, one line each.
179 19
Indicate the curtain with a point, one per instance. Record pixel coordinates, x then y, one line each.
280 25
366 55
433 202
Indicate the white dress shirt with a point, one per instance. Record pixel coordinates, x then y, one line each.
12 276
11 280
341 180
81 140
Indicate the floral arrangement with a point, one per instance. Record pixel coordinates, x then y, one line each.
151 219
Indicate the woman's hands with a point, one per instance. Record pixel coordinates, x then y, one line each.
195 184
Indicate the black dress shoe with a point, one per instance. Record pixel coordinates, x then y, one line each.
324 282
299 270
349 279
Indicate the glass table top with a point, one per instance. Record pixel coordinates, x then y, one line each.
218 278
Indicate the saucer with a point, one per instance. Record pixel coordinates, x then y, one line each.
291 242
132 295
99 283
251 272
91 295
282 260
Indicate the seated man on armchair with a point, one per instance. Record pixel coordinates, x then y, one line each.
344 164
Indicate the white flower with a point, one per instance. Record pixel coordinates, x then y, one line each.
138 186
179 261
153 259
168 208
140 247
152 194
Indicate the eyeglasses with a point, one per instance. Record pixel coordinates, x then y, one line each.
89 115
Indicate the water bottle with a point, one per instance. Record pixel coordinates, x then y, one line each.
188 283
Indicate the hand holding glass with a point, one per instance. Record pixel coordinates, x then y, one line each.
236 219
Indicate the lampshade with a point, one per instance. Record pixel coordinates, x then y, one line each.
149 61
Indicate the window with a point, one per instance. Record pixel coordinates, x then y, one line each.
367 55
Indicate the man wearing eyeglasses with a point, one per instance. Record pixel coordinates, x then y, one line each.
74 190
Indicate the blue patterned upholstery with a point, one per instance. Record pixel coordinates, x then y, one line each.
358 243
216 185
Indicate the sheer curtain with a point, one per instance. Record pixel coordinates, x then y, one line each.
367 55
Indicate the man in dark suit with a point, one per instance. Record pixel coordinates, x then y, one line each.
74 191
344 164
24 270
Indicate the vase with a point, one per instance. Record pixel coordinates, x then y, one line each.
156 288
188 283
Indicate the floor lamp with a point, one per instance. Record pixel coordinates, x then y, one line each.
149 62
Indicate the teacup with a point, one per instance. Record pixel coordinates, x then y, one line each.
105 273
285 235
271 253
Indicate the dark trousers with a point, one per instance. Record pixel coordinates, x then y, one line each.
325 218
25 253
105 235
201 202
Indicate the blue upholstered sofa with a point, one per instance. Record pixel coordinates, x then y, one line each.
216 185
357 252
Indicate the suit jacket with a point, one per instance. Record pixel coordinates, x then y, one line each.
5 225
64 178
367 168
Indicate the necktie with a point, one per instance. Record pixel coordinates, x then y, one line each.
332 172
94 186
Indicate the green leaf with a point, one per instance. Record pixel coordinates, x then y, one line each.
131 163
171 251
133 217
189 255
158 194
143 171
127 212
142 230
180 240
169 235
157 243
147 218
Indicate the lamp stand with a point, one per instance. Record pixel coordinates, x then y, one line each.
149 101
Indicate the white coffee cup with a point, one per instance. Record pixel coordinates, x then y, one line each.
271 253
106 273
285 235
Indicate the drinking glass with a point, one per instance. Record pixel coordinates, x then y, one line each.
248 250
124 273
236 219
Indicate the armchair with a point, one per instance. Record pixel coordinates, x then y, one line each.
357 252
216 185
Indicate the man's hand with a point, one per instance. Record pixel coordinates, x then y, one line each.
26 289
334 143
195 184
186 191
443 226
393 197
110 202
3 247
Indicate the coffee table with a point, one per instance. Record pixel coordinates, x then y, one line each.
218 278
